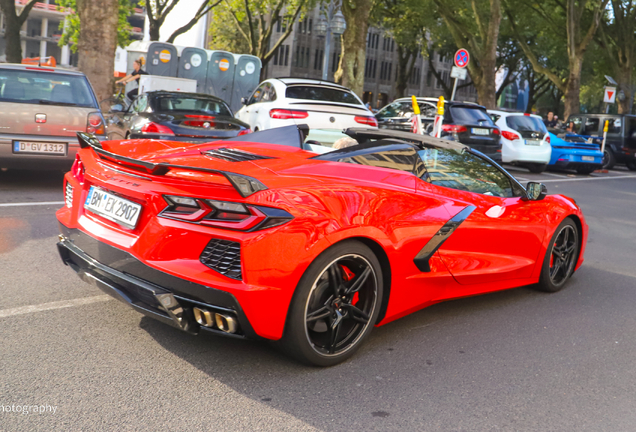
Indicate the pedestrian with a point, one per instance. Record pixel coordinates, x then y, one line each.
137 72
550 121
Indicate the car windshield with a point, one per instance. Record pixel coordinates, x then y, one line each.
318 93
524 123
45 88
190 104
469 115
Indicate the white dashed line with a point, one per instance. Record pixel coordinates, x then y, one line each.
589 178
31 204
4 313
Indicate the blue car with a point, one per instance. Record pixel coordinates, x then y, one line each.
578 155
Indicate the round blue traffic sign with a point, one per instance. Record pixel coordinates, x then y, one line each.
462 58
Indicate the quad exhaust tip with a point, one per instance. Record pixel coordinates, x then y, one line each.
225 323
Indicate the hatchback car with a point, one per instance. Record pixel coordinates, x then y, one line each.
465 122
177 116
321 105
524 140
42 110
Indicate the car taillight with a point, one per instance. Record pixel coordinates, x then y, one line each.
370 121
77 170
510 135
223 214
245 131
285 114
450 128
156 128
495 131
547 139
95 124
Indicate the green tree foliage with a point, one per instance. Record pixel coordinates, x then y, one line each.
563 26
617 38
405 21
474 25
249 25
71 25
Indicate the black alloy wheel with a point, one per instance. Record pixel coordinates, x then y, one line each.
335 305
608 159
561 257
340 305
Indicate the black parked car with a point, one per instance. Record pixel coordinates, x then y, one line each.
466 122
620 146
176 116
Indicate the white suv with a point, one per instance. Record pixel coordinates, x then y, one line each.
321 105
524 140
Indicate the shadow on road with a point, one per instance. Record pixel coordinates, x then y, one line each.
488 352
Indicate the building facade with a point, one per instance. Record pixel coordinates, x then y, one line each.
302 55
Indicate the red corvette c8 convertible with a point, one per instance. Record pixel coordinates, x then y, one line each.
258 237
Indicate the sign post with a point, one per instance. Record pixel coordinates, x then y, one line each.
459 72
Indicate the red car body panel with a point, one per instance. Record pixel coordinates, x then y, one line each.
393 211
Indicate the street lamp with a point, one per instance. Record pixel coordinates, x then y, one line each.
331 21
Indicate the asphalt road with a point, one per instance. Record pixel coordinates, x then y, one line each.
517 360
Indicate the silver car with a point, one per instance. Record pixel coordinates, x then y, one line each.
41 111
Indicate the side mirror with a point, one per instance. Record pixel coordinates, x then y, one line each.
243 101
117 108
536 191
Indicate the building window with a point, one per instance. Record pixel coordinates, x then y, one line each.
375 64
278 25
286 54
310 23
300 58
307 58
392 45
390 67
276 56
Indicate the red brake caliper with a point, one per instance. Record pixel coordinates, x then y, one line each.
347 275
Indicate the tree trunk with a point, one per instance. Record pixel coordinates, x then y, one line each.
13 23
97 43
153 31
406 61
350 71
573 87
624 77
12 34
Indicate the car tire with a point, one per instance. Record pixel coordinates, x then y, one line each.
330 316
608 159
585 171
631 165
560 258
537 168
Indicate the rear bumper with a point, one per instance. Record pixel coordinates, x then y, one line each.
573 158
519 152
10 159
153 293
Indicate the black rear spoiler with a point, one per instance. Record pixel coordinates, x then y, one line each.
243 184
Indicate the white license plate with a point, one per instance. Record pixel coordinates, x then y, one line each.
112 207
39 147
480 131
588 158
533 142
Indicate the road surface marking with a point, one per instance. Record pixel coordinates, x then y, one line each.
4 313
553 175
589 178
31 204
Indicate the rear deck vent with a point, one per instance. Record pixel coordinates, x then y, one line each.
224 256
233 155
68 195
